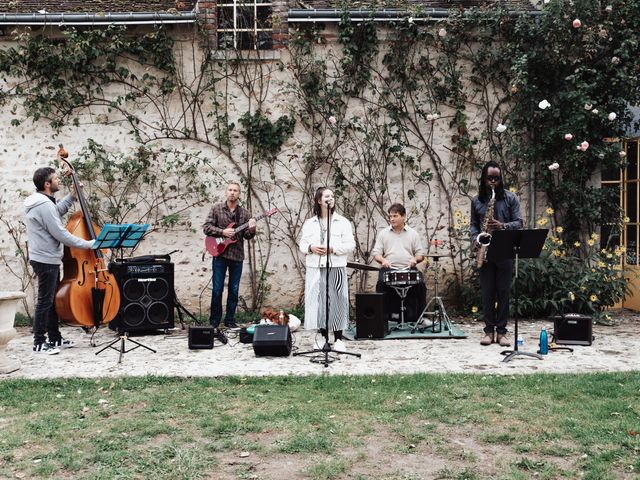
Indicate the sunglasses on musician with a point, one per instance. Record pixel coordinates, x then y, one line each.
493 178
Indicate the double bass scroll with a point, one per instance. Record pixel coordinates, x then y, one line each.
88 295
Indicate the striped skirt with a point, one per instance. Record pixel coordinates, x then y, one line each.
315 298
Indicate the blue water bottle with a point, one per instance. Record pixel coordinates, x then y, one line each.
544 341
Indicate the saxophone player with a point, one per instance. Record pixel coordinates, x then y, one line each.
495 277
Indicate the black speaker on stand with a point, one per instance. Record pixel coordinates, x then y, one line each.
147 297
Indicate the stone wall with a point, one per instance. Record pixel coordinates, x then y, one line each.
32 145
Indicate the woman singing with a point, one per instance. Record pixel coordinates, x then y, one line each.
314 244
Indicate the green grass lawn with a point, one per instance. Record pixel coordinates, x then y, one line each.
365 427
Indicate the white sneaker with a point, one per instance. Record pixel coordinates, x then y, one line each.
63 343
46 349
339 346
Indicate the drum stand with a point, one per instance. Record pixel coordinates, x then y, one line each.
402 293
439 314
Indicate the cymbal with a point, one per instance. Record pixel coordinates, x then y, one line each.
362 266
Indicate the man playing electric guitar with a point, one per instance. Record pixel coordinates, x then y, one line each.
221 221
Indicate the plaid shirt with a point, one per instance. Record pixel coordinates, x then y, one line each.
219 218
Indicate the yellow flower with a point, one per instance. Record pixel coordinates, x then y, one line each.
457 213
602 264
626 219
549 211
593 298
571 296
623 249
513 189
556 253
474 309
559 229
542 221
594 236
609 255
591 242
576 244
583 288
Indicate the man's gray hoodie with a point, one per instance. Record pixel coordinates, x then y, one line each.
45 231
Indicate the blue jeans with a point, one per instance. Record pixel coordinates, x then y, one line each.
219 268
45 319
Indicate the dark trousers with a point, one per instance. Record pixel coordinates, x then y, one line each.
495 283
45 320
220 266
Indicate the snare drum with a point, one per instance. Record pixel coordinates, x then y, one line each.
402 278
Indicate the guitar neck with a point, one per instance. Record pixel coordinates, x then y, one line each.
242 227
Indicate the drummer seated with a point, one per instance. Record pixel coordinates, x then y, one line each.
397 247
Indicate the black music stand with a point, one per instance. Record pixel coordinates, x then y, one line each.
516 244
326 349
120 237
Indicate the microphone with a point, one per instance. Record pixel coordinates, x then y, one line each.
327 202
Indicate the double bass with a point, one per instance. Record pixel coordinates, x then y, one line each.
88 295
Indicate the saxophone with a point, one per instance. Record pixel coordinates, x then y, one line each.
484 237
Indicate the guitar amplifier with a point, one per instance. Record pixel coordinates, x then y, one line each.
573 329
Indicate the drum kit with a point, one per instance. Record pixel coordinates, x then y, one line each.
402 281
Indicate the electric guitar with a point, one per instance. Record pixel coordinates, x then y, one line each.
216 245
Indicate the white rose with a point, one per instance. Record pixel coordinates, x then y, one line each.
612 116
442 33
543 105
501 128
554 166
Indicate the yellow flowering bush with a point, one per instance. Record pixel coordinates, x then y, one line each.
576 277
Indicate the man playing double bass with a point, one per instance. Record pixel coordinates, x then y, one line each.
46 236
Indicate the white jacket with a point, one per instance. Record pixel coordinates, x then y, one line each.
342 242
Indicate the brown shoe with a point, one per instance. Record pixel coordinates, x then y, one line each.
503 341
487 339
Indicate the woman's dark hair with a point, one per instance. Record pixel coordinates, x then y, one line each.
41 176
318 196
485 193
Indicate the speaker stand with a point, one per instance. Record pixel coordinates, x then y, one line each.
123 338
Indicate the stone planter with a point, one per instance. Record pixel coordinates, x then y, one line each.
8 306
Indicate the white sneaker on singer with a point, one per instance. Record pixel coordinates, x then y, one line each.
339 346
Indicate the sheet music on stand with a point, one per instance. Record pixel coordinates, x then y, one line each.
126 235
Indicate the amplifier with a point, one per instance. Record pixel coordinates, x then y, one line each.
146 294
201 338
573 329
272 340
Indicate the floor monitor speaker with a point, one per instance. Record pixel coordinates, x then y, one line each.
272 341
147 297
573 329
371 318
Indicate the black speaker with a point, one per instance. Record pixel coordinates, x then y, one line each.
573 329
371 319
201 338
272 341
147 297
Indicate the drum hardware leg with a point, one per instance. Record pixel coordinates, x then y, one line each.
402 293
439 314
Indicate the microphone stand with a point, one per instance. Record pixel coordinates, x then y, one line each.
326 349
